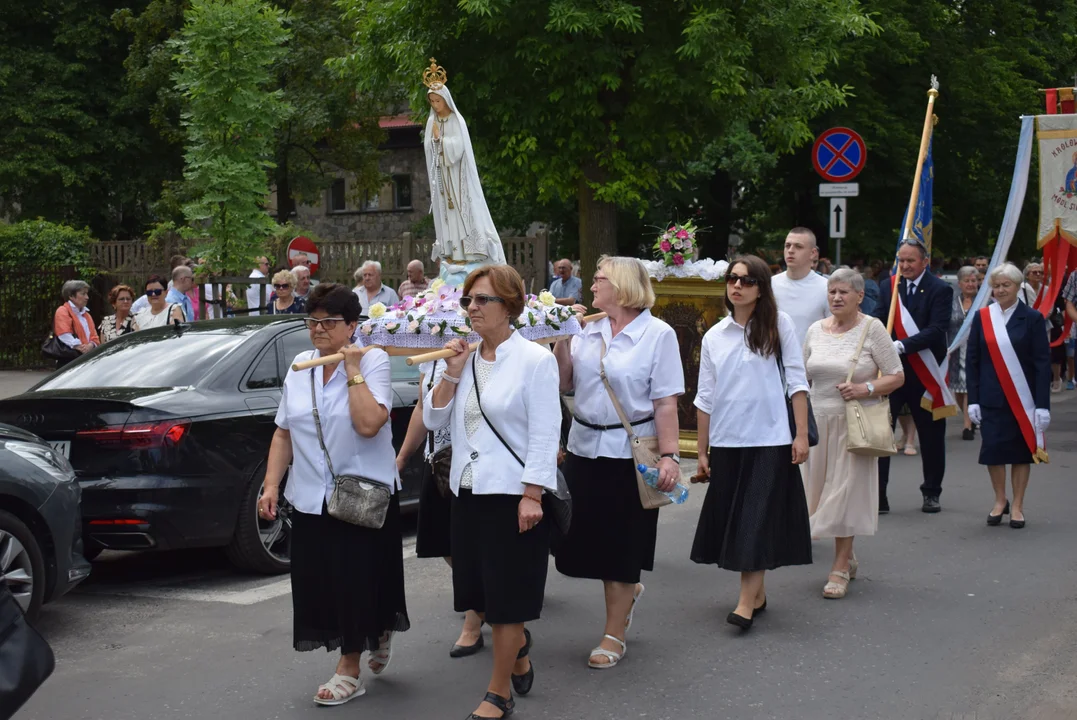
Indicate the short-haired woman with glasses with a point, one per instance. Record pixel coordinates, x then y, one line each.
120 322
503 407
347 580
285 301
611 537
755 515
159 313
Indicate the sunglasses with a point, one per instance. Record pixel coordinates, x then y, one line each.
154 293
326 323
282 286
480 300
746 280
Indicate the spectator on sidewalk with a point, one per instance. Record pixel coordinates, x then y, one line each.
285 301
303 281
159 312
416 282
567 288
369 289
182 282
254 292
121 322
143 302
72 324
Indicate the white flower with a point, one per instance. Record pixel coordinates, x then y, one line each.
376 311
546 298
367 328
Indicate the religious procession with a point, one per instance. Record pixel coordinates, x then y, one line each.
548 437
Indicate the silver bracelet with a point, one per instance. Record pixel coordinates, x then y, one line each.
450 378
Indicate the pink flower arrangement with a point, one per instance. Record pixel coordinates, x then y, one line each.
675 245
665 246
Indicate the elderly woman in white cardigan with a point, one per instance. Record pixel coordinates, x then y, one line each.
503 406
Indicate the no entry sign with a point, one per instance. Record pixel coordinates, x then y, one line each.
304 245
839 155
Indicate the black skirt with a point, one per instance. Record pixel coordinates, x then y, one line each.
611 536
755 516
497 569
432 528
1001 441
347 582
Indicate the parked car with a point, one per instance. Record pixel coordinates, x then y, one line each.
168 431
40 528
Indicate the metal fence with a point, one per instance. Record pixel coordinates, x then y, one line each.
29 297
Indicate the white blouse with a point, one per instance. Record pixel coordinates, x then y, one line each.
643 364
309 482
522 401
742 391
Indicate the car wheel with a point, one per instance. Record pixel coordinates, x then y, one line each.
258 545
21 564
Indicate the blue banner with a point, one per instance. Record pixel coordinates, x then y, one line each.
921 226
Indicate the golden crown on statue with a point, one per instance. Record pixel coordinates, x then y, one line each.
434 76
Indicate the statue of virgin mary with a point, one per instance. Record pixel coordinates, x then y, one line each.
466 235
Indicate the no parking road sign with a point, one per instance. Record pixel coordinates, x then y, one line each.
839 155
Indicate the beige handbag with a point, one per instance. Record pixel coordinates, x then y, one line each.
644 450
869 427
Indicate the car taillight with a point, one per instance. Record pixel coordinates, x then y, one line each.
139 436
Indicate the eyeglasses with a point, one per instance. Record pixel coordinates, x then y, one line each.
326 323
480 300
282 286
123 298
154 293
746 280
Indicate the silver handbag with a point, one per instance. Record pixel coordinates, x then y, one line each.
355 499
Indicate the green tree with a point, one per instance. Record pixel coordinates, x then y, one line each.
604 102
225 54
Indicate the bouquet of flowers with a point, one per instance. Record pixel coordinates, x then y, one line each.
676 244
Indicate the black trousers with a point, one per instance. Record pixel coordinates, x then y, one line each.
932 435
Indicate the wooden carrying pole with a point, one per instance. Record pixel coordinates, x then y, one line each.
418 359
914 198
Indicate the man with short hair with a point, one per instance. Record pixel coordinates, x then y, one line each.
182 282
799 292
369 288
416 281
566 288
304 282
299 260
929 302
980 263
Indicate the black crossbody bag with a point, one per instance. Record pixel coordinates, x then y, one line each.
557 505
813 429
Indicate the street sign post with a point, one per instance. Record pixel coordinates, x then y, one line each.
838 220
838 155
839 189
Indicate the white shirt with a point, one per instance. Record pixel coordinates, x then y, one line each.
254 298
385 295
1007 313
522 401
804 300
442 436
70 339
643 364
309 482
742 391
146 319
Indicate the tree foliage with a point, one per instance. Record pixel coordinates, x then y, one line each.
225 54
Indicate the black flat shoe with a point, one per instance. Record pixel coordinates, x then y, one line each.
884 505
761 609
997 519
931 504
459 651
739 620
968 434
522 683
1017 524
505 705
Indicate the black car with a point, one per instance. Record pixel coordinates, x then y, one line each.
168 430
40 543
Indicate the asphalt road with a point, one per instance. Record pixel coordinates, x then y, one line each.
949 619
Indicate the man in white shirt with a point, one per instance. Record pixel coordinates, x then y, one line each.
801 293
370 289
254 292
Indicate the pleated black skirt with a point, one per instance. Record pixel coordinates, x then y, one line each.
347 582
1001 441
611 536
432 528
497 569
755 516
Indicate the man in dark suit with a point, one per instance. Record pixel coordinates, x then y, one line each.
929 301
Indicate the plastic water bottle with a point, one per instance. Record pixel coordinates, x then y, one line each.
678 494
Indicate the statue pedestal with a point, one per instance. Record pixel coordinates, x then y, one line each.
691 306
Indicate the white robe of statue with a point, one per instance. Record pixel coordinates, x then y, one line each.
466 234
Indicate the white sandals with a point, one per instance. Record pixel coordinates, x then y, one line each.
635 599
379 659
342 688
836 590
612 656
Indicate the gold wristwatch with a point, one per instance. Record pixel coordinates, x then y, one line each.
357 380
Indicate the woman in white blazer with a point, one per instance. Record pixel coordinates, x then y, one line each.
503 407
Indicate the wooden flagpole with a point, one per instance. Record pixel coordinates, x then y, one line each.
914 198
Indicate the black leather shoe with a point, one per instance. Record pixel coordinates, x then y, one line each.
997 519
459 651
505 705
1017 524
968 434
931 504
884 505
739 620
522 683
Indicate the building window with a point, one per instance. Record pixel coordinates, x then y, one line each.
372 201
402 192
337 199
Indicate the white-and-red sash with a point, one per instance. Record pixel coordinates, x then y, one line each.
937 398
1012 379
